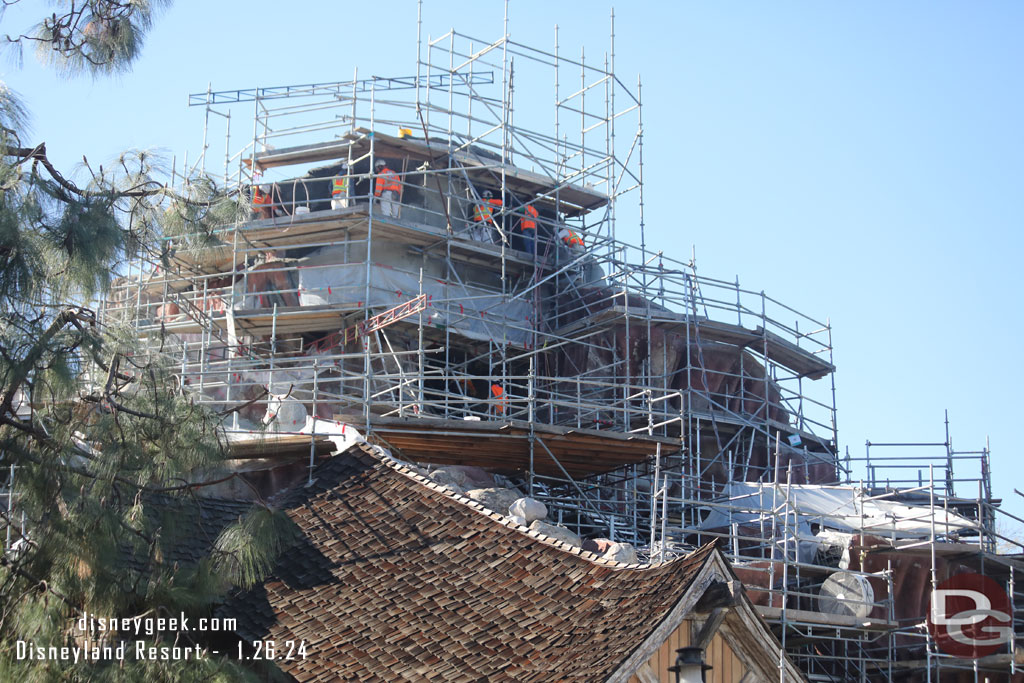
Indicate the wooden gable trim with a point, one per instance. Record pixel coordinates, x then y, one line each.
646 674
709 572
752 642
741 627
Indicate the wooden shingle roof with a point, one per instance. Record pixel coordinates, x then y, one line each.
396 579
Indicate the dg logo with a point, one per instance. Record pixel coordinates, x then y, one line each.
970 616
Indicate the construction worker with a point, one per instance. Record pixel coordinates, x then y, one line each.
339 189
483 213
527 236
570 239
500 400
261 202
572 244
388 188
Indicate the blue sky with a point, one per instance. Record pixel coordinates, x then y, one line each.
858 161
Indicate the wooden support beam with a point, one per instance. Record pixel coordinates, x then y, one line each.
719 594
709 628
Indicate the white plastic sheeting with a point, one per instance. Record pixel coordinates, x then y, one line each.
324 279
844 508
341 434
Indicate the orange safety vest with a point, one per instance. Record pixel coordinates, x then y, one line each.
340 186
499 395
261 201
529 221
572 239
387 181
484 213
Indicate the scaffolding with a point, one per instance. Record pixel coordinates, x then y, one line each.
640 400
846 573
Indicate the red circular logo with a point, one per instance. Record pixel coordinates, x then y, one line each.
970 616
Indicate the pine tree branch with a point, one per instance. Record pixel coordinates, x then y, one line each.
115 407
38 153
45 440
78 32
15 568
108 394
14 526
137 191
245 405
21 371
91 319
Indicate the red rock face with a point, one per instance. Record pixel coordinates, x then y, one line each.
278 283
597 545
761 575
716 378
911 585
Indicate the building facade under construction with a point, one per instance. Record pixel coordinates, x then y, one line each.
429 262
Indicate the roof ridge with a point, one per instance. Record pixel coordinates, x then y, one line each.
388 569
408 470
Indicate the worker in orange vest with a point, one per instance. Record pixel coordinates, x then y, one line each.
484 211
484 215
388 188
573 244
339 189
527 236
570 238
500 400
261 202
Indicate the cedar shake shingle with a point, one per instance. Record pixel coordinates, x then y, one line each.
396 579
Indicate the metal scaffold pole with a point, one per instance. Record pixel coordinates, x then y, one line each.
640 400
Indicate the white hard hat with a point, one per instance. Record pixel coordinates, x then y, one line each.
379 163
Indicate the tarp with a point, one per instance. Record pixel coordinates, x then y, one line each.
324 279
844 508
